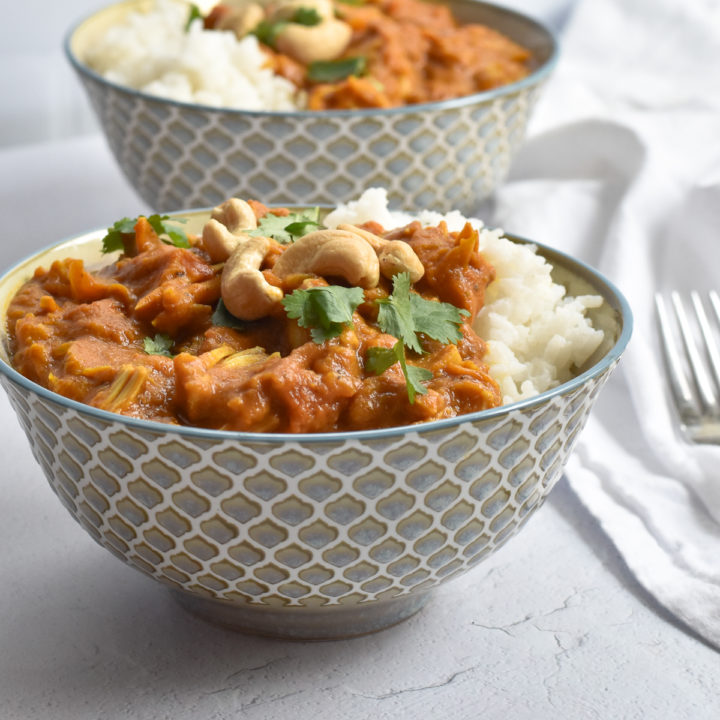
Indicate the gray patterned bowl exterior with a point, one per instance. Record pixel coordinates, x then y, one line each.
307 536
445 155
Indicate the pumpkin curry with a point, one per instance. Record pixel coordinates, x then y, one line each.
267 322
375 53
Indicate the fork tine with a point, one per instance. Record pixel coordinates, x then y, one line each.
710 343
678 380
702 379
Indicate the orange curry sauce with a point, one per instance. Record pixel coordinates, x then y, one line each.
81 334
415 52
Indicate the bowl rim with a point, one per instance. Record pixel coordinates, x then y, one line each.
601 285
535 77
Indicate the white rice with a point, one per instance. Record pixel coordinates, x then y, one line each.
537 335
151 52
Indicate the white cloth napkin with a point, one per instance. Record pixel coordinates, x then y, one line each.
622 168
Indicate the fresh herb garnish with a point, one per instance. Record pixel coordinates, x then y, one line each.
122 234
267 31
326 310
404 315
306 16
286 229
379 359
176 236
193 14
328 71
158 345
224 318
118 235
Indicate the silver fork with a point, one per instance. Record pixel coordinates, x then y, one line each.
692 355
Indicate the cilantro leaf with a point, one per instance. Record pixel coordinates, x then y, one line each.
326 310
286 229
379 359
395 316
306 16
177 236
267 31
121 232
404 315
329 71
193 14
224 318
159 345
438 320
121 236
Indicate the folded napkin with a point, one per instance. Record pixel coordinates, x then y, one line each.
622 169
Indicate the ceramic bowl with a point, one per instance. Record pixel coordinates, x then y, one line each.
444 155
308 536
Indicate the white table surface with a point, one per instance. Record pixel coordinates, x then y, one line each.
552 626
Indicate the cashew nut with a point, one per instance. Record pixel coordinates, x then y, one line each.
310 43
222 233
241 20
235 214
394 256
244 289
285 9
331 253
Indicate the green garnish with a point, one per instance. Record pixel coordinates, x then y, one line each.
379 359
158 345
193 14
306 16
267 31
122 232
328 71
404 315
326 310
222 317
121 235
286 229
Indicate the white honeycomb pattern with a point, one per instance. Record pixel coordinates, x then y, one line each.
179 157
297 523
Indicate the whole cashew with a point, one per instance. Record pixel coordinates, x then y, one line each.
394 256
222 233
235 214
310 43
244 289
241 20
331 253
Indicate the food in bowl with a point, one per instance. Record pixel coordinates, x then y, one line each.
327 535
307 54
277 321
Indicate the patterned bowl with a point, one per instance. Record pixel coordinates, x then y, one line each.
445 155
308 536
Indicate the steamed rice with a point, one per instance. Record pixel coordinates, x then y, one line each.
151 52
537 335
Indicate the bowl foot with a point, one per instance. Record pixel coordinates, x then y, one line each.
333 622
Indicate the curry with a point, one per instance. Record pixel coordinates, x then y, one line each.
160 334
376 53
